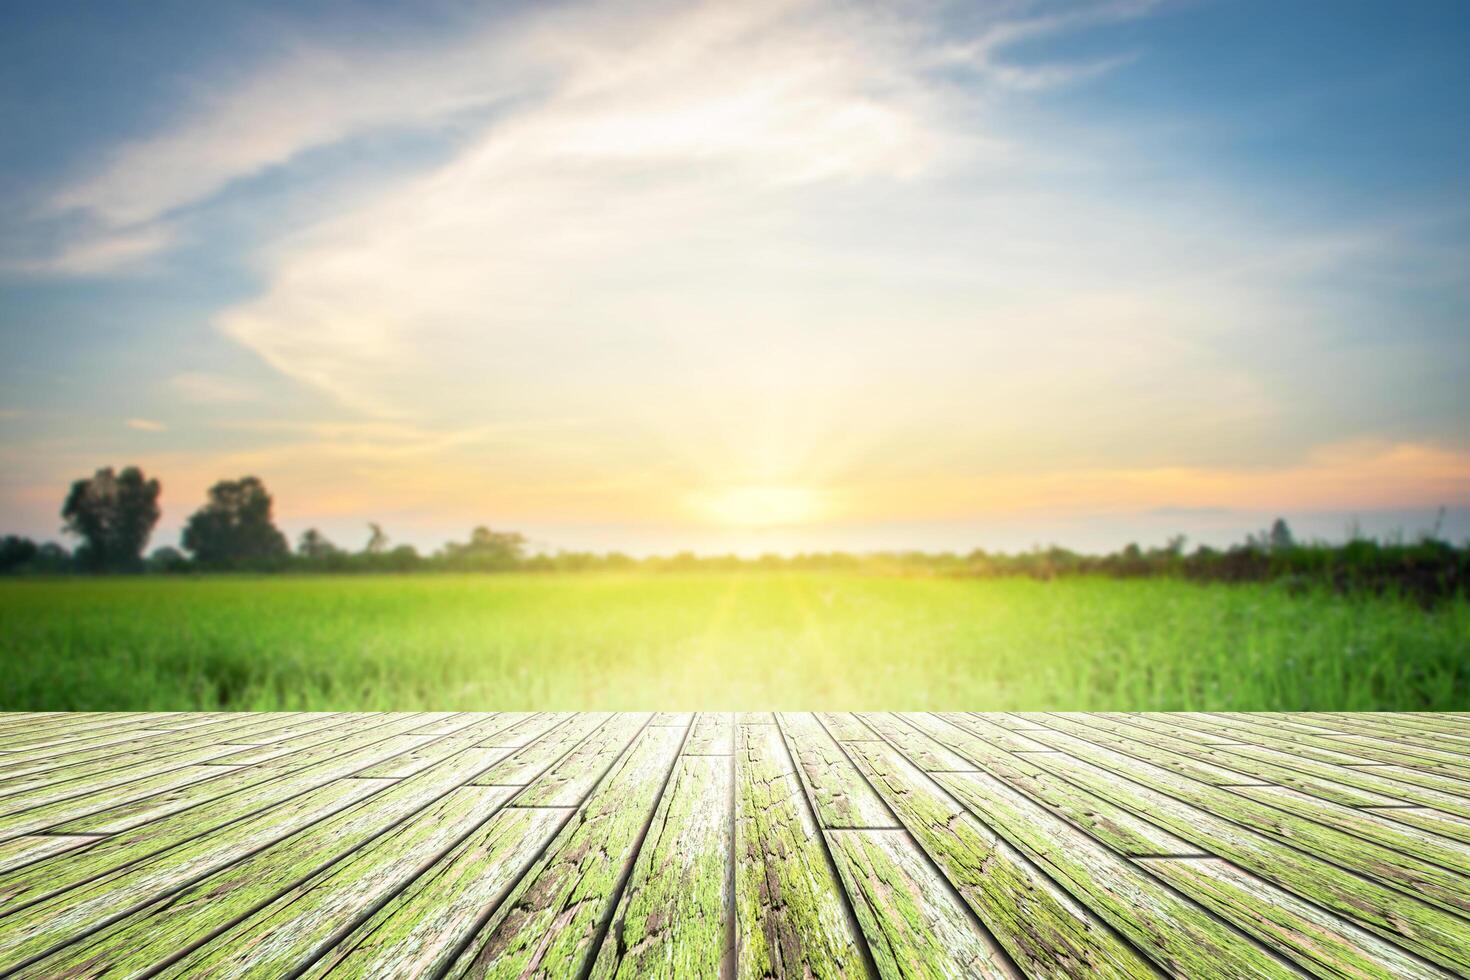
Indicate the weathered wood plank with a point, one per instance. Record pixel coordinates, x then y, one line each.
1045 932
922 751
53 923
1176 934
1423 928
61 728
289 932
1190 768
1268 767
1430 847
573 777
526 763
713 734
1110 824
112 809
1325 944
175 919
840 796
914 926
846 726
1394 869
552 922
672 919
1434 821
418 931
1345 750
20 851
791 920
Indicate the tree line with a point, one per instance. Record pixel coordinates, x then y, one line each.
112 515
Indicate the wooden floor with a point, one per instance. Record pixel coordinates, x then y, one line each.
756 845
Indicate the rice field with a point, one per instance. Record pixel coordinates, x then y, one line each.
718 642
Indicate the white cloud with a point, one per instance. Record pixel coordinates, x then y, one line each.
146 425
748 240
99 253
205 388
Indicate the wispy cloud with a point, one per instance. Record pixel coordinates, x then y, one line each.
146 425
205 388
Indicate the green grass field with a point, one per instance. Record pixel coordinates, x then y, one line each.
718 642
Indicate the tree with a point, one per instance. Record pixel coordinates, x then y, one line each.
314 546
377 540
16 553
234 528
167 559
113 514
487 549
1280 537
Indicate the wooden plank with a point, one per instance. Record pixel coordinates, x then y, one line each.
59 814
1411 875
1370 826
24 762
1396 730
918 748
1016 721
713 734
573 777
471 732
526 729
1190 768
552 923
1347 749
1423 928
1176 934
169 742
672 918
175 919
70 782
846 726
1045 932
20 851
1166 723
1444 824
913 924
203 823
417 931
420 928
1269 767
44 926
1337 765
987 728
840 796
526 763
1112 825
1325 944
110 810
294 928
791 919
62 728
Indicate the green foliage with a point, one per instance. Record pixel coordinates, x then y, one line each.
717 641
114 515
16 553
234 529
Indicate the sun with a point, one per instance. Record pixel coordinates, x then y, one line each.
760 506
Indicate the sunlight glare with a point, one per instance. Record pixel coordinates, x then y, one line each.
760 506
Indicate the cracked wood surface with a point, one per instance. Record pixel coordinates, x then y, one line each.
747 845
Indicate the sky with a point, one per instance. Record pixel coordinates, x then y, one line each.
768 275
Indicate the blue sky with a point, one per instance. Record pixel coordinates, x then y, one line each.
783 274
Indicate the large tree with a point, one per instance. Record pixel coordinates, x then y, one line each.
234 529
113 514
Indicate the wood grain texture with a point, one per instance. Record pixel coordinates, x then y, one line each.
747 845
